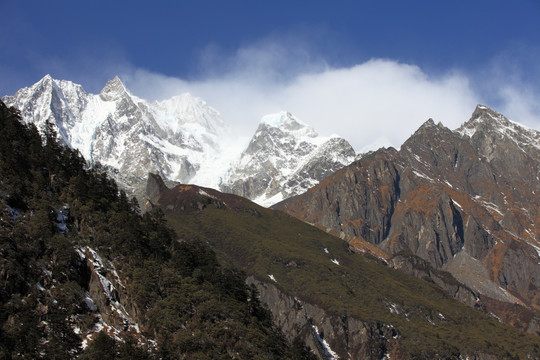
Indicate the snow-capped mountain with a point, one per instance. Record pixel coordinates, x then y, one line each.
285 158
123 132
182 139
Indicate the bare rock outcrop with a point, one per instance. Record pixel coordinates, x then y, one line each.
331 336
466 201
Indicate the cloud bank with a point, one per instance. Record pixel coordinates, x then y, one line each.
379 102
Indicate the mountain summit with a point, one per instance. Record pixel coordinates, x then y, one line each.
113 90
284 158
182 139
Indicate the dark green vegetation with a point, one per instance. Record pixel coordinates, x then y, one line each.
49 205
264 242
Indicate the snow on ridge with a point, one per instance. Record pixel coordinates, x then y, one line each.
488 205
182 138
266 201
522 135
457 204
280 119
419 174
185 108
537 250
467 131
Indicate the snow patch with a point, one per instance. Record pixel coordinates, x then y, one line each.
90 303
332 355
537 251
335 261
457 204
421 161
203 193
272 277
447 183
419 174
393 309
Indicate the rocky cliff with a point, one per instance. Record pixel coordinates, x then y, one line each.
331 336
466 201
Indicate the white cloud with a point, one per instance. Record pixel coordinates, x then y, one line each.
378 102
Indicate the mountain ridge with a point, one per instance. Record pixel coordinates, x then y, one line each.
86 274
181 138
458 199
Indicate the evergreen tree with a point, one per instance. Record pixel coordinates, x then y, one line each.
194 307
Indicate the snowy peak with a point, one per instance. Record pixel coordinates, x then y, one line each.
113 90
430 128
186 109
63 87
58 101
485 119
428 124
282 132
284 158
431 124
182 139
44 82
287 123
481 119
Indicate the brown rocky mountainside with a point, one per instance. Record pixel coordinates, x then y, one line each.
341 304
466 201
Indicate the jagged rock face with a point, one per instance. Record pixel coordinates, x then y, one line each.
329 335
108 293
419 268
284 158
182 139
466 201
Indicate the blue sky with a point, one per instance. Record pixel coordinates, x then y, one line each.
420 58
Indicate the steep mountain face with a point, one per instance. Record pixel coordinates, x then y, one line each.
83 275
466 201
284 158
182 139
342 304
